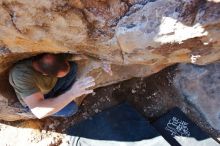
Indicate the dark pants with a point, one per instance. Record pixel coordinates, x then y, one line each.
62 85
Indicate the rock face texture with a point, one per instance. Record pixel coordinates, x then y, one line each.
134 38
200 86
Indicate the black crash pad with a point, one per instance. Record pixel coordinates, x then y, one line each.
177 129
119 125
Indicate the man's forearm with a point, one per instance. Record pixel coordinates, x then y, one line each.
41 107
50 106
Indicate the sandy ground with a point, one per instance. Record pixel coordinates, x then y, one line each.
151 96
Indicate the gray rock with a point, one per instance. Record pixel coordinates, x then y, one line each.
200 86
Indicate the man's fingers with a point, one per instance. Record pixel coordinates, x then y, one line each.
89 85
88 78
88 91
88 81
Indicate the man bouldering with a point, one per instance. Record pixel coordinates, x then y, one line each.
46 85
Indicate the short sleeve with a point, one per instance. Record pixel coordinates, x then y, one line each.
23 82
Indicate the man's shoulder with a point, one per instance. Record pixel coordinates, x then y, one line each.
22 79
21 66
22 69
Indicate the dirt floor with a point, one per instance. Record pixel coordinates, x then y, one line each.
151 96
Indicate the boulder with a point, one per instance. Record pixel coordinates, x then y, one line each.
200 86
135 38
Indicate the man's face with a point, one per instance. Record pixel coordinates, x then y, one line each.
49 59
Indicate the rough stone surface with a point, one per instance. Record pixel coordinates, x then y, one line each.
30 133
200 86
161 33
151 96
135 37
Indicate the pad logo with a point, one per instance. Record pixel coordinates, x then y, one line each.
177 127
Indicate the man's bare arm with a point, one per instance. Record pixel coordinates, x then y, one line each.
41 107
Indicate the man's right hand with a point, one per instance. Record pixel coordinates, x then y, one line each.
80 87
41 107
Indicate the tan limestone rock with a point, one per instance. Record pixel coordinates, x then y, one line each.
136 38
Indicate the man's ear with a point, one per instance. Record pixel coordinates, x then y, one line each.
68 64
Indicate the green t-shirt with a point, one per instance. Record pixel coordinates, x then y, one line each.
26 81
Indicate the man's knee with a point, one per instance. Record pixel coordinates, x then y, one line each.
67 111
74 110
